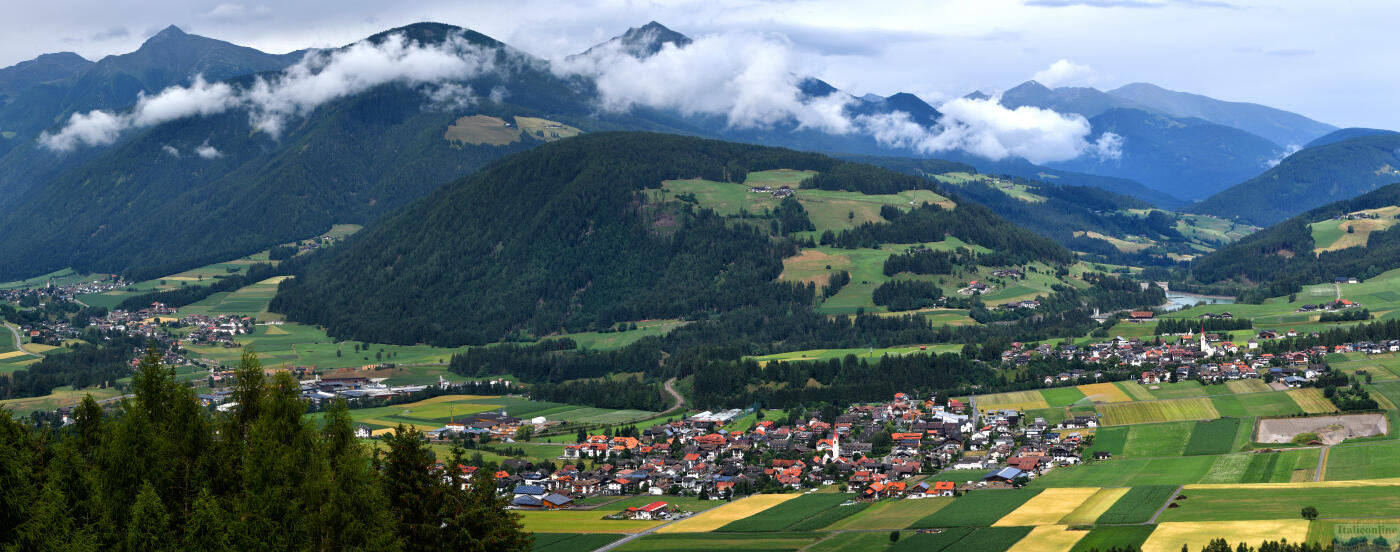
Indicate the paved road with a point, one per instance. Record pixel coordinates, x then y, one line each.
635 536
1321 464
19 343
1164 506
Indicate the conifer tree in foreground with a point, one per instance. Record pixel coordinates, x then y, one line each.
163 472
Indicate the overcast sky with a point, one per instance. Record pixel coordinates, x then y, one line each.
1330 61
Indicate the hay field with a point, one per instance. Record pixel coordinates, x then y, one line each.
545 129
1048 507
1169 537
480 130
1049 538
1015 400
723 515
1089 511
1175 410
1247 386
1310 399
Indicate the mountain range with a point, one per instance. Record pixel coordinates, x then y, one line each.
193 189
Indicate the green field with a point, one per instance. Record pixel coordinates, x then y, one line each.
58 277
569 542
853 542
1256 404
1213 437
1374 460
892 514
978 508
1062 396
1279 466
793 512
986 539
867 354
1284 503
617 340
1138 505
435 412
706 542
1103 538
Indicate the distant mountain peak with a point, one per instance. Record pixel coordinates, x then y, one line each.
1031 85
168 33
645 41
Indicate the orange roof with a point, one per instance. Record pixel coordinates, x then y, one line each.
942 485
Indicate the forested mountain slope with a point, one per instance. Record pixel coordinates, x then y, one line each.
1309 178
1353 238
572 235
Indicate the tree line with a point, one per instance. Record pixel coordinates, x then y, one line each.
162 472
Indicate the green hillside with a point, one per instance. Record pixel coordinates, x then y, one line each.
1310 178
583 233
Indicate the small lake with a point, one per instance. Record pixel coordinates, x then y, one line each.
1177 300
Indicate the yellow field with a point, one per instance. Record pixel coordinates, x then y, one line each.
1104 393
482 129
1015 400
1247 386
12 354
581 521
277 330
1120 244
274 280
812 263
1170 536
1094 506
1362 227
1049 538
545 129
1311 400
1175 410
39 348
1136 390
715 518
1047 507
1387 482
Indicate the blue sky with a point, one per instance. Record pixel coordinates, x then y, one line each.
1329 61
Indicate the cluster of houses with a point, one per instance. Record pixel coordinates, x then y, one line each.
780 192
66 292
1339 304
700 456
975 288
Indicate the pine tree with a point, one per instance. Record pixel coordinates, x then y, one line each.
413 490
355 514
149 528
207 527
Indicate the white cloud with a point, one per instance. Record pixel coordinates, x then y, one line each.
750 80
91 128
988 129
170 150
320 77
232 12
206 151
1108 146
1066 73
1287 151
